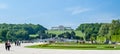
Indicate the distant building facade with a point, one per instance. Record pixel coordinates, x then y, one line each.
61 27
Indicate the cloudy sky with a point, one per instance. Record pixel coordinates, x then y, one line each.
59 12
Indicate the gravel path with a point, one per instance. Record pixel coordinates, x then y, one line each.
22 50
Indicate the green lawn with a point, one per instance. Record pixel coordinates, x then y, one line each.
33 35
77 46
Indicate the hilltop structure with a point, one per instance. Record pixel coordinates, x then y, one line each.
61 27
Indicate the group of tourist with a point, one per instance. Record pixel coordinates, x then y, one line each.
17 43
8 44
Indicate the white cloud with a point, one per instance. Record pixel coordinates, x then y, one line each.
3 6
77 10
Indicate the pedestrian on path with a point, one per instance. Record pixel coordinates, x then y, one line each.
17 43
7 45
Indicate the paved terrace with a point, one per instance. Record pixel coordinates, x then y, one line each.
22 50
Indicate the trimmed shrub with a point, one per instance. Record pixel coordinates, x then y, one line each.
109 47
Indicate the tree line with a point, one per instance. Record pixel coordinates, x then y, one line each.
101 32
14 32
67 35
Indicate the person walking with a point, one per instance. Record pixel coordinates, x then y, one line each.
18 43
15 43
7 45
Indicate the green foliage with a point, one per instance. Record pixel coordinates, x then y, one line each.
115 27
67 34
89 29
33 35
18 31
42 34
104 30
77 33
115 38
22 35
10 35
115 31
101 39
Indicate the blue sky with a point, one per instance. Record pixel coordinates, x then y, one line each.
59 12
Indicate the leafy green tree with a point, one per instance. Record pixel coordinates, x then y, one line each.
18 31
73 34
42 34
10 36
22 35
89 29
92 39
115 27
115 30
104 29
3 34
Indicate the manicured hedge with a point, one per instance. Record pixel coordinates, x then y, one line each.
109 47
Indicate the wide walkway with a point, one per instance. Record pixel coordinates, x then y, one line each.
22 50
